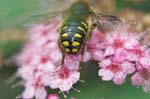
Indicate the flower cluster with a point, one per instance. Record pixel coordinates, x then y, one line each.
40 63
118 54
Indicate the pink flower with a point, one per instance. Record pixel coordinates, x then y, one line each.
64 79
53 96
142 75
72 98
112 70
142 78
115 50
94 47
34 88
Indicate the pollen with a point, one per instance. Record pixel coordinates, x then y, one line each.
77 35
75 43
65 43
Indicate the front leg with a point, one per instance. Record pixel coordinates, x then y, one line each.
63 53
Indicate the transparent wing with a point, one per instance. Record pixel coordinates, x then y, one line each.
107 23
107 6
39 18
145 38
44 11
52 5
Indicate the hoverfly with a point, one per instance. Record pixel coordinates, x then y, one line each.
78 23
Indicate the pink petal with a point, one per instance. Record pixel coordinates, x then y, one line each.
55 82
131 43
120 55
53 96
28 92
52 45
132 57
119 78
105 63
146 86
75 77
40 93
86 57
55 55
105 74
72 98
128 67
26 72
145 62
98 55
73 66
49 67
46 79
66 85
109 51
136 79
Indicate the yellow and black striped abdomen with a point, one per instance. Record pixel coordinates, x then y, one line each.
73 33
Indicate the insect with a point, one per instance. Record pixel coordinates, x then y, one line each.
78 23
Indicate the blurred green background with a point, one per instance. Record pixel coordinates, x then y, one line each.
12 37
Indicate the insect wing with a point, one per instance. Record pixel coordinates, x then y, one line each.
44 11
39 18
145 38
107 23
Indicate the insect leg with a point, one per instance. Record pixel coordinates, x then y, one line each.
63 53
83 52
86 40
63 59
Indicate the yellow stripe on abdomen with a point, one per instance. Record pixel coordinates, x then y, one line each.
75 43
65 27
82 29
77 35
65 43
65 35
74 50
67 50
86 26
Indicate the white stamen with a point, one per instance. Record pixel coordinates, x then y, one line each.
81 80
65 96
17 84
18 97
11 79
76 90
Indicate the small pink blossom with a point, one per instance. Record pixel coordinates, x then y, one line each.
111 70
142 75
94 47
34 88
64 79
53 96
72 98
